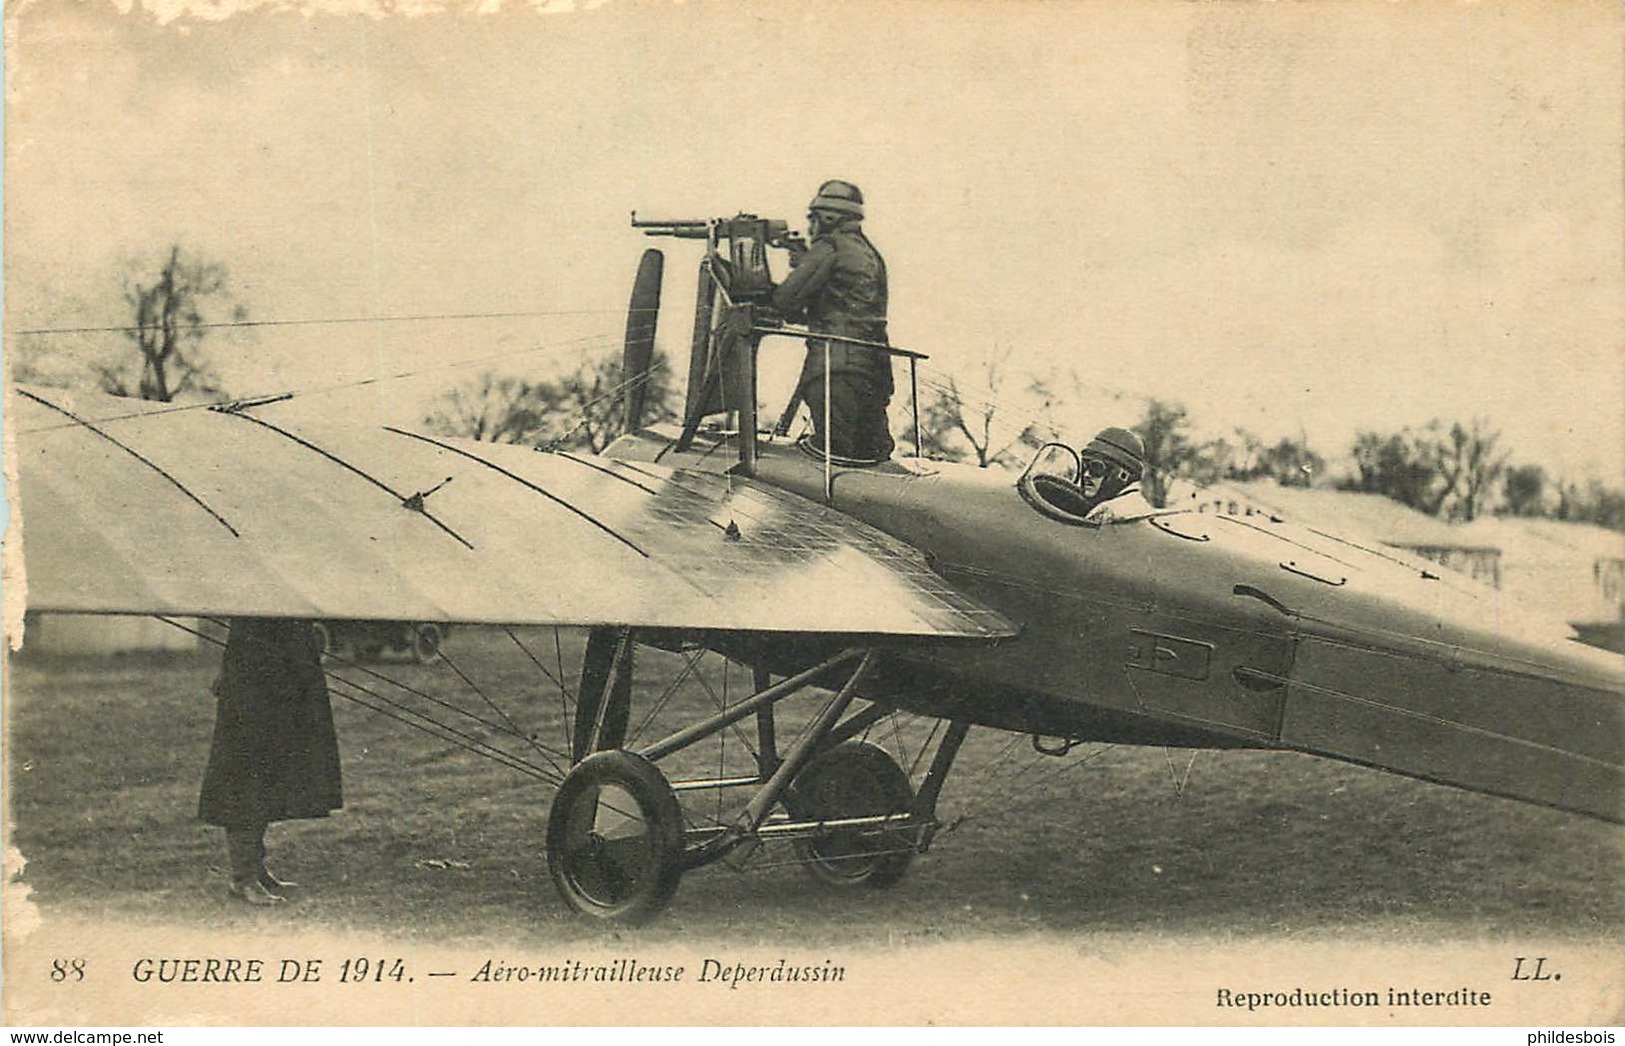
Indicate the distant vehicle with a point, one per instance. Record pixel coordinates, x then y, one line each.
367 640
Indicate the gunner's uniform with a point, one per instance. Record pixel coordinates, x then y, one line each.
839 286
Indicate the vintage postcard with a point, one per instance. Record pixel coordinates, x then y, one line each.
713 513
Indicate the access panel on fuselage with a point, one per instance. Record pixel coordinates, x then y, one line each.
1211 675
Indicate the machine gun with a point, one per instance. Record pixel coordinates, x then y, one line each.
741 270
733 313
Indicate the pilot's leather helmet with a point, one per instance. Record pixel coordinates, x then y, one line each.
1120 447
835 195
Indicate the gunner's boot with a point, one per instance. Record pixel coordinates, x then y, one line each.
245 847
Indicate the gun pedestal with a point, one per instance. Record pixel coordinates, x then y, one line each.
728 380
737 353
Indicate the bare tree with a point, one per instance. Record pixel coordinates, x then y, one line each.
1400 466
1469 465
987 420
1435 470
36 360
1523 491
1595 503
1169 452
592 401
583 410
168 326
1290 462
498 408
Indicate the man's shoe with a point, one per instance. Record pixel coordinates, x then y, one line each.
252 893
273 885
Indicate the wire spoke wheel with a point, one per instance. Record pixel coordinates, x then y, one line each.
615 838
853 779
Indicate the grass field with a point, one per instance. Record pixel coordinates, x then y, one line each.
434 844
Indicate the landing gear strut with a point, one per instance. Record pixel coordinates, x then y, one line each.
617 837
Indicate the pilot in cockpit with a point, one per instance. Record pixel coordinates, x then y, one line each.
1101 484
1110 468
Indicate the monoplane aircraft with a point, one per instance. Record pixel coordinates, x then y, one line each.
957 594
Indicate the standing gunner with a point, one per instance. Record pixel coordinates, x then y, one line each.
838 286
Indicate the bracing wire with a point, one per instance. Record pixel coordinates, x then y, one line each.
584 342
326 321
583 413
1014 794
549 755
411 717
357 666
690 664
566 698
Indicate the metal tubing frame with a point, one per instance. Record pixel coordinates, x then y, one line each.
780 827
758 333
689 735
914 395
767 759
829 465
931 786
716 782
756 810
811 829
788 330
856 724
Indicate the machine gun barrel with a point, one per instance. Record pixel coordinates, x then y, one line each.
769 232
684 228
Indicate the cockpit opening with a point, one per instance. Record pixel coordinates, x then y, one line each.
1094 486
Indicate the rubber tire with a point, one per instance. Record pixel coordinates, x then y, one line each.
425 642
324 637
639 886
853 779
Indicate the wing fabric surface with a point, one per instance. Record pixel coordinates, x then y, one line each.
143 508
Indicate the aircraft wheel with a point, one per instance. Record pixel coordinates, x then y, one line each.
425 643
324 637
615 838
853 779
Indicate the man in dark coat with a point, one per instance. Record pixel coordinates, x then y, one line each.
838 285
275 756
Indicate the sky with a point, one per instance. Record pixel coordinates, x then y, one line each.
1303 220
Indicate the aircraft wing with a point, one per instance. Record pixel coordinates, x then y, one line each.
133 507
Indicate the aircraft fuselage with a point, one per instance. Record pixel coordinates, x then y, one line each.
1195 630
